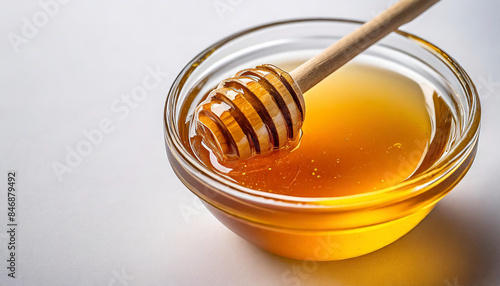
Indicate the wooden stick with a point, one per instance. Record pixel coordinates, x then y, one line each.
262 109
319 67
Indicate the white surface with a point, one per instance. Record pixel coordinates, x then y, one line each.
117 218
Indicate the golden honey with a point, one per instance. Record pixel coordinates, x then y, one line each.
366 128
384 139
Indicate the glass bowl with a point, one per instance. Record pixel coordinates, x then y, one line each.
331 228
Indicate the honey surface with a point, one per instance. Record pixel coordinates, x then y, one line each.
366 128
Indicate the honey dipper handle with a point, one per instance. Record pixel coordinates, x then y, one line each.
319 67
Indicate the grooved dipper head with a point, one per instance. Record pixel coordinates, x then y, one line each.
253 113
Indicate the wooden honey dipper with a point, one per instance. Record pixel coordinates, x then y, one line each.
262 109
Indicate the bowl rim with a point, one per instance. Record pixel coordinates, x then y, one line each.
462 147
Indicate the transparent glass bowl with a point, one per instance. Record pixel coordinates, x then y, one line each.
332 228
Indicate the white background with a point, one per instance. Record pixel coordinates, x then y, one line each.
117 218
